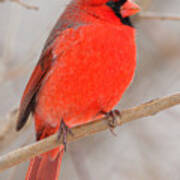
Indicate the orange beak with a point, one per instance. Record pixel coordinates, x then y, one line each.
129 8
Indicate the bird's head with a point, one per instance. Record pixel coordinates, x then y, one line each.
117 8
123 8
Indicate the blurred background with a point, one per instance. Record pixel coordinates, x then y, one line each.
145 149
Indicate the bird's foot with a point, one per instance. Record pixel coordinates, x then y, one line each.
64 130
112 117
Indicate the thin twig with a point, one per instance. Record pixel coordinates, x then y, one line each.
144 110
27 6
157 16
8 131
7 128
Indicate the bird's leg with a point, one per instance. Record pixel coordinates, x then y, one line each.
112 119
64 130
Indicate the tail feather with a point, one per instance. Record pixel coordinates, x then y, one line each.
44 167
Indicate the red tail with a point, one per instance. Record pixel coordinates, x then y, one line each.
44 167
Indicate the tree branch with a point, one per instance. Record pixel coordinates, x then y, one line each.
21 3
8 132
144 110
25 5
157 16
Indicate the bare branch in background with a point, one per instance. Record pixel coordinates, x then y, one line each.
144 110
25 5
8 132
9 125
158 16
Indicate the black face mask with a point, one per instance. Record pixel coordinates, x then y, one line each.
115 6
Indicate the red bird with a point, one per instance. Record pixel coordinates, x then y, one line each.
87 63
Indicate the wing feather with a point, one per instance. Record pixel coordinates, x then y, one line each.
28 99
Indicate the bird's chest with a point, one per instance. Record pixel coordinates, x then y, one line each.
90 75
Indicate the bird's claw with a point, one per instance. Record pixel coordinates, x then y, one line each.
64 130
112 117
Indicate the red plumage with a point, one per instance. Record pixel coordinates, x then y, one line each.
87 64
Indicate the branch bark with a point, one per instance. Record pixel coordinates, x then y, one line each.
8 134
27 6
144 110
21 3
158 16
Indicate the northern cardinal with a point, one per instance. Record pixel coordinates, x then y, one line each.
87 63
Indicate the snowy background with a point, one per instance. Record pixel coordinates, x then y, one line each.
145 149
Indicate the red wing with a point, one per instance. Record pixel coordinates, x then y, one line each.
32 88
